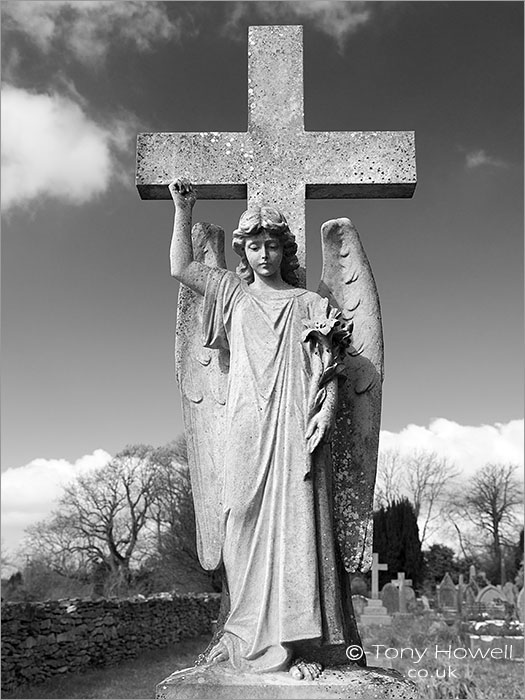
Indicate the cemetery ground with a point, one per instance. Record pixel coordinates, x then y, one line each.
436 676
418 646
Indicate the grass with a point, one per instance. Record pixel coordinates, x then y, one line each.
436 675
476 679
134 678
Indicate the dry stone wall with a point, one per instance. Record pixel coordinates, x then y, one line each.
40 640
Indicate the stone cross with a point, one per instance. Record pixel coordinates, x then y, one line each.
461 590
400 582
276 161
376 568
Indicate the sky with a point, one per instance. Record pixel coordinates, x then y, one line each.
88 303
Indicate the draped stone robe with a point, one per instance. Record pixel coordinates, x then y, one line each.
279 551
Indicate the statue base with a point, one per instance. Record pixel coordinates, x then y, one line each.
219 682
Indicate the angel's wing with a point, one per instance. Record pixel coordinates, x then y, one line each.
202 377
348 283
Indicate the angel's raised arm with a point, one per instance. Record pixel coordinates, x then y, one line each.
191 273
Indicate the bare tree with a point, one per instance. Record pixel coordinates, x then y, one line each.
54 542
173 516
101 516
421 476
428 478
491 502
389 482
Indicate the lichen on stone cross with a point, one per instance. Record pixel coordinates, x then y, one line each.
276 161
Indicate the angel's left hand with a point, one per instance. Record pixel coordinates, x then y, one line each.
320 428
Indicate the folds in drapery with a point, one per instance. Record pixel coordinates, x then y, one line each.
278 552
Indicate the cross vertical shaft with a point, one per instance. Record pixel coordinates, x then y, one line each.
376 568
276 161
276 122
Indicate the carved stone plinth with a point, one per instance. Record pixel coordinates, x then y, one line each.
375 614
221 683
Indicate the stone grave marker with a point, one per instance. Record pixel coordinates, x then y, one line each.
447 593
359 602
521 605
390 597
277 162
510 592
470 593
424 602
409 596
489 594
402 584
461 593
375 613
376 568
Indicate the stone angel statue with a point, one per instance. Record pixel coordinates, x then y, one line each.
281 393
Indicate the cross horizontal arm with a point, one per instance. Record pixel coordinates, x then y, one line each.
360 164
218 164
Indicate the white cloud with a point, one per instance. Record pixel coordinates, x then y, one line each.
476 159
51 148
468 447
29 493
336 19
88 29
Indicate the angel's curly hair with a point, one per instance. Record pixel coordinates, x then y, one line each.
259 220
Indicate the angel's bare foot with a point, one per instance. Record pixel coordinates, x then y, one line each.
218 653
305 670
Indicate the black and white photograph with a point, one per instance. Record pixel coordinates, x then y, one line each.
262 342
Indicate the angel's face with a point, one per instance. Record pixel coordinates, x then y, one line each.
264 253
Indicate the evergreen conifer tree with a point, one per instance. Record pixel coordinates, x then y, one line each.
396 540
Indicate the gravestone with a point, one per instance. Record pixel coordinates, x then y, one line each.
447 593
472 587
360 602
277 162
521 605
359 585
489 594
424 602
470 593
376 568
491 600
390 598
375 614
409 599
461 594
402 584
510 593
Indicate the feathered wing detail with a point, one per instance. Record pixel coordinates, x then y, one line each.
348 284
202 377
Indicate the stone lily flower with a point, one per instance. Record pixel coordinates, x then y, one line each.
321 327
329 331
332 337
